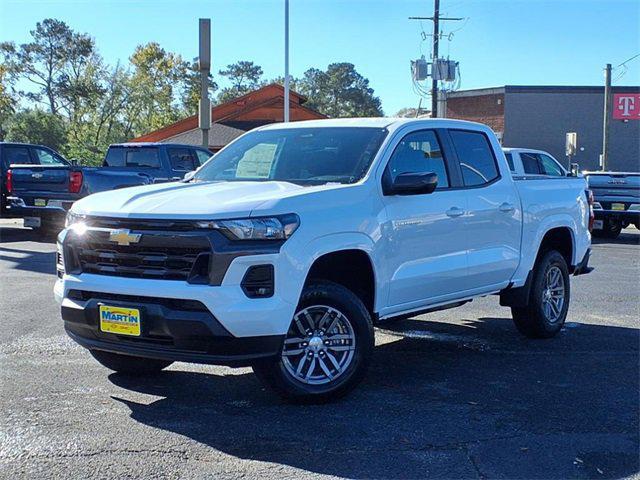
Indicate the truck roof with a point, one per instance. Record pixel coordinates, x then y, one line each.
153 144
374 122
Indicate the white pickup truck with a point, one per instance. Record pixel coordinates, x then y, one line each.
286 248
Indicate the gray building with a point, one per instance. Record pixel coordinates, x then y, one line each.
540 116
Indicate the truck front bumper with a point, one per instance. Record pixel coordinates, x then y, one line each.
170 330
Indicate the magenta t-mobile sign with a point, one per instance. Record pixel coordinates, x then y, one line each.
626 106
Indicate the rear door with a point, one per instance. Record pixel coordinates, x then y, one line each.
494 216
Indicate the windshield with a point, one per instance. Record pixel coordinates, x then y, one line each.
306 156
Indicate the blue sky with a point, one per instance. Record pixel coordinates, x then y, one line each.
565 42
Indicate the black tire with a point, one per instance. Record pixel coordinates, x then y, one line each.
532 320
129 365
610 230
274 372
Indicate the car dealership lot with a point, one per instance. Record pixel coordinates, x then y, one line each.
452 394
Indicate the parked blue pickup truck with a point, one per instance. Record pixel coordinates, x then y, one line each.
616 201
42 192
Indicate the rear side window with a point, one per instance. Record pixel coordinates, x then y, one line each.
16 155
530 163
45 157
182 159
419 152
114 158
509 158
476 158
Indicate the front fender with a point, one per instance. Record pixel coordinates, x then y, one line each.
305 257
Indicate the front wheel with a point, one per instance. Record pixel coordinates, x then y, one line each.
129 365
548 304
326 350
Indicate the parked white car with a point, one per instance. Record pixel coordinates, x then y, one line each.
284 250
526 161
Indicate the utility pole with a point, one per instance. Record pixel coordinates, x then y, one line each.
286 60
204 65
607 118
436 40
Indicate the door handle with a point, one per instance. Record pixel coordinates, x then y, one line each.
506 207
454 212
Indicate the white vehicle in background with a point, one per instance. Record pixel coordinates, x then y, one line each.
526 161
284 249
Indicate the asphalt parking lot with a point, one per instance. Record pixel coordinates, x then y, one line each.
454 394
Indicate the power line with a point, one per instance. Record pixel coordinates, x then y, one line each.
628 60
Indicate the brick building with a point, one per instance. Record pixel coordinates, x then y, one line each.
233 118
540 116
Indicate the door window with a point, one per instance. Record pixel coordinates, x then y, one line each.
182 159
46 157
530 163
203 156
15 155
476 158
419 152
550 166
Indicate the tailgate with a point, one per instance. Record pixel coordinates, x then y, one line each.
36 179
622 186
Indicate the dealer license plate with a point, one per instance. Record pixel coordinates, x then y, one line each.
617 206
33 222
598 224
40 202
119 320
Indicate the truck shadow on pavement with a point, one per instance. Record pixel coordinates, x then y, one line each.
28 260
446 400
17 234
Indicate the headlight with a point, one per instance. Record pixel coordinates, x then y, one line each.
75 222
260 228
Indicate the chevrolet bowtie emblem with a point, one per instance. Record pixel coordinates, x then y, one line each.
37 175
124 237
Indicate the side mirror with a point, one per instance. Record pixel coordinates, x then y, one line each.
413 184
75 162
189 175
575 170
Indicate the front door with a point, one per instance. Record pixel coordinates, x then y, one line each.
426 243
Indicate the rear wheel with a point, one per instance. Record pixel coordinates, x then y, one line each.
548 304
128 364
326 350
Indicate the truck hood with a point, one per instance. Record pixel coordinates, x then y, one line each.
211 200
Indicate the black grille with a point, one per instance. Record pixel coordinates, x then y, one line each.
158 255
141 224
171 303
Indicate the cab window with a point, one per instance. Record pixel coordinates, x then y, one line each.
45 157
477 163
549 166
419 152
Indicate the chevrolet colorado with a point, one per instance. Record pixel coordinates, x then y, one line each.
286 248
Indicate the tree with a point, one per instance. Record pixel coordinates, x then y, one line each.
191 91
8 95
155 84
39 127
244 77
340 91
55 61
411 112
